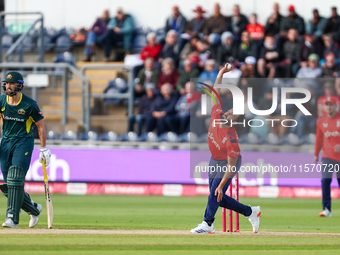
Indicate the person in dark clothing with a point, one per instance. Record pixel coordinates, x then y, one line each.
246 48
120 29
163 106
171 48
292 21
195 26
94 36
330 46
144 109
291 54
311 44
274 21
269 56
214 26
332 25
331 68
185 75
148 74
237 23
176 21
227 49
315 25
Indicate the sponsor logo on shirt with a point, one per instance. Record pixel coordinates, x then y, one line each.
40 113
325 125
237 153
329 134
338 123
210 136
21 111
2 109
218 110
224 140
11 118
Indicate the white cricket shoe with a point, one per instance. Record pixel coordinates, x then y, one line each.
325 213
34 219
254 218
9 223
203 228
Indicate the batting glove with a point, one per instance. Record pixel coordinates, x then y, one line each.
45 155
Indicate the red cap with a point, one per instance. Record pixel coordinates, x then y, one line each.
199 9
332 99
291 8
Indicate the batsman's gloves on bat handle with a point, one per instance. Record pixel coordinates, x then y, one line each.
45 155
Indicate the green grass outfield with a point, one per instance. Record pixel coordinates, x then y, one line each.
288 226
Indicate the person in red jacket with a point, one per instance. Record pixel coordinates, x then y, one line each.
169 74
255 30
328 138
152 49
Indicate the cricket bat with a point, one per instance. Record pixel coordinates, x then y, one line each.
49 207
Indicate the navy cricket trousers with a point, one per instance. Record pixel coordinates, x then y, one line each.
327 180
215 178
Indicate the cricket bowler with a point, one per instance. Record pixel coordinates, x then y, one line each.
328 138
225 152
19 112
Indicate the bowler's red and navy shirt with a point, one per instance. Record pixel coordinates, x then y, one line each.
222 142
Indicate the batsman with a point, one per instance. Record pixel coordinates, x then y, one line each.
19 114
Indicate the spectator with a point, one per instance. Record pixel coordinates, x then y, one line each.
249 79
189 48
311 44
196 25
169 74
171 48
291 54
328 89
315 25
274 21
255 30
312 70
94 36
148 74
197 53
186 102
330 46
227 48
233 76
152 49
246 48
120 29
293 21
269 56
163 106
250 68
185 75
330 68
332 25
144 108
176 21
210 71
214 26
237 23
306 120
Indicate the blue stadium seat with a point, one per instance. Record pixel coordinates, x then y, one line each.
89 136
66 31
63 43
53 33
51 135
189 137
47 42
203 138
291 139
273 139
308 139
109 136
7 41
140 40
169 137
129 137
160 35
69 135
250 138
116 86
149 137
